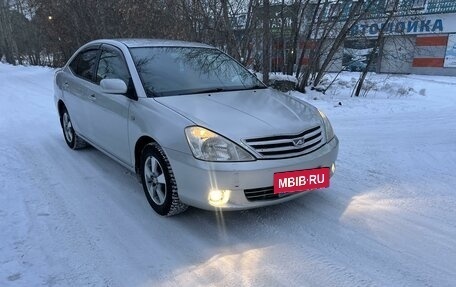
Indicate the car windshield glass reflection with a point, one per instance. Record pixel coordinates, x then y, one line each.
167 71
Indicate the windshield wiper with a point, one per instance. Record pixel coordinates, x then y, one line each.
217 90
256 87
204 91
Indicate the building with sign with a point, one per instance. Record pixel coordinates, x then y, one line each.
420 38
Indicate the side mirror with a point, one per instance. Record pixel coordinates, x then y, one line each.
113 86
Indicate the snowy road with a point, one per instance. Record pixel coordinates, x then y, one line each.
76 218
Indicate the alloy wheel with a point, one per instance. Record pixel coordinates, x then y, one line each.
155 180
67 127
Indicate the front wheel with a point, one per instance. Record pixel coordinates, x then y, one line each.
158 182
71 138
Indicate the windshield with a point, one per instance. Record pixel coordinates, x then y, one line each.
167 71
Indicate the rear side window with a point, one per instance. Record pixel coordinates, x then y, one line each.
84 64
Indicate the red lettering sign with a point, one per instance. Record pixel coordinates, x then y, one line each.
301 180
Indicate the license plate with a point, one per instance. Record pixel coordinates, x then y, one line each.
301 180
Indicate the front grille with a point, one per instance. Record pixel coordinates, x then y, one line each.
285 146
264 193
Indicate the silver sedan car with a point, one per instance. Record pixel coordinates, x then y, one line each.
196 126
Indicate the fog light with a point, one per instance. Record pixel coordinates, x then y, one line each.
219 197
333 168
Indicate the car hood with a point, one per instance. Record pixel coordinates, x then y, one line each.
246 114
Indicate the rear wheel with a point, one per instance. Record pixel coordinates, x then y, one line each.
158 181
71 138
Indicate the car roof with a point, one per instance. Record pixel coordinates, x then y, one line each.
135 43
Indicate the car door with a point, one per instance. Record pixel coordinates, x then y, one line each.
79 87
109 113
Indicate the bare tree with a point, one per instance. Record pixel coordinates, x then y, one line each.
378 43
296 24
358 10
313 21
266 41
8 44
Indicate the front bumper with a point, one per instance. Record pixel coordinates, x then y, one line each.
195 178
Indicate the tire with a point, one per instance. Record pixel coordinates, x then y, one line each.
71 138
158 181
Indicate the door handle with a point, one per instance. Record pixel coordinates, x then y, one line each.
92 98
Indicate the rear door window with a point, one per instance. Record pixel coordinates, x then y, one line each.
84 64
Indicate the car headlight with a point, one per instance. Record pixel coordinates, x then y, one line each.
328 128
209 146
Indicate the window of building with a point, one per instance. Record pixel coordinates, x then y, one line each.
418 4
390 5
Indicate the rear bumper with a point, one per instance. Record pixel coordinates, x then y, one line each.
196 178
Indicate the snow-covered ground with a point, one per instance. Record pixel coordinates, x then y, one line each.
76 218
